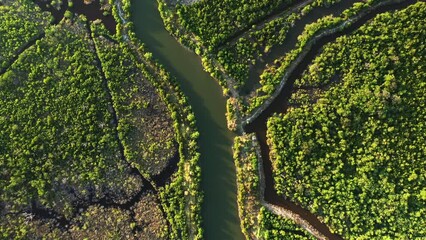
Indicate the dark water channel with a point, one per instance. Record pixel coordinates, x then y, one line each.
92 11
219 210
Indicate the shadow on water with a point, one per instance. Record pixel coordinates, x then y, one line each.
57 14
219 209
92 11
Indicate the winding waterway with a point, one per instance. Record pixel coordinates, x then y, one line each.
219 210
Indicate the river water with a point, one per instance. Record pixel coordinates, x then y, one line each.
219 209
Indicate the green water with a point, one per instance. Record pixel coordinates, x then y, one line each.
219 210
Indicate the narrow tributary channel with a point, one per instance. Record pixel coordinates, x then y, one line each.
219 210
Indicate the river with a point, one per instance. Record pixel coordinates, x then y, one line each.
219 209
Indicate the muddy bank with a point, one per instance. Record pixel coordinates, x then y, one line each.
310 221
183 2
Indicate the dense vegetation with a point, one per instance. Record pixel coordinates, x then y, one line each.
247 51
58 138
56 130
352 150
95 137
215 21
145 124
20 23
